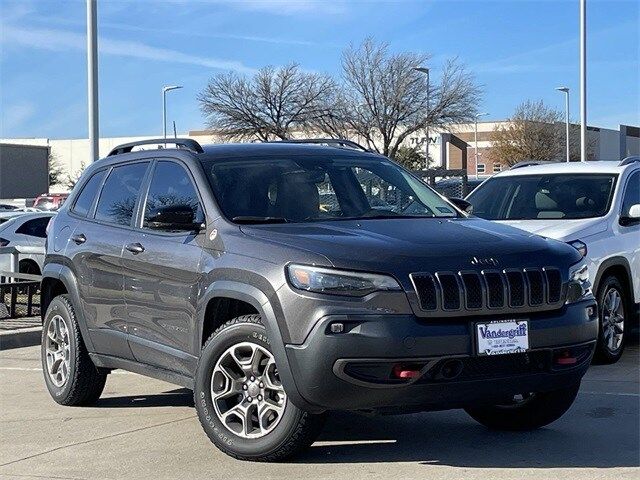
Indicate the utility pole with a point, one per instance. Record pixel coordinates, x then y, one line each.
478 115
583 80
166 89
92 80
566 113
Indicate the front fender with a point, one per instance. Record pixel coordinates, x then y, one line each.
260 301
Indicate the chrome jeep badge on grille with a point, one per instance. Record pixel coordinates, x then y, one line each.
484 261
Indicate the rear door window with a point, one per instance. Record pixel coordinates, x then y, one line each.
120 193
88 194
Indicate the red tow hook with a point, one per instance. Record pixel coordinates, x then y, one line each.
405 372
566 359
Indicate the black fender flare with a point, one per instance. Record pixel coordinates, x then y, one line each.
259 300
68 279
613 262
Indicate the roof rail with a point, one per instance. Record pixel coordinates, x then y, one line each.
332 142
186 143
529 163
629 160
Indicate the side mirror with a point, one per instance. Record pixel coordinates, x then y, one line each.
462 204
632 216
173 218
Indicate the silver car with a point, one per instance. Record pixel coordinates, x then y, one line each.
28 229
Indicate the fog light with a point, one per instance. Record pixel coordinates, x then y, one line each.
591 311
337 327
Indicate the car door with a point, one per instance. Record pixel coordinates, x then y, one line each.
95 252
162 274
629 231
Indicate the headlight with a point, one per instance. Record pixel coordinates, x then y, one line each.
338 282
579 285
580 246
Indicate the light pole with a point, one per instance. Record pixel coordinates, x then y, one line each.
166 89
566 113
478 115
425 70
583 80
92 79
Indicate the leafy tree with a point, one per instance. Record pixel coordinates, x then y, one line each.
411 158
73 178
56 171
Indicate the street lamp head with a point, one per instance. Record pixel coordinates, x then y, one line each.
171 87
563 89
422 70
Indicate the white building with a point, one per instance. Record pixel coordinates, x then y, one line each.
73 154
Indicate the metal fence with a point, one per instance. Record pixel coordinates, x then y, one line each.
449 183
19 292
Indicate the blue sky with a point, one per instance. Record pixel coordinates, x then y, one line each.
518 50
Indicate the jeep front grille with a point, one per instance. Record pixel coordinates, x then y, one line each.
510 289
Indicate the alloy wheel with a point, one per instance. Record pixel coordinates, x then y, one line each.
246 391
612 319
58 351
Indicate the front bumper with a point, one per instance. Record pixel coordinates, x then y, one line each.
350 370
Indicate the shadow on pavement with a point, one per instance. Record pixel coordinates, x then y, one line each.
180 397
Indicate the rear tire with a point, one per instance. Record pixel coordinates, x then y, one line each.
69 373
612 307
534 411
252 418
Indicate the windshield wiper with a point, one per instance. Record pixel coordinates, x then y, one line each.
248 219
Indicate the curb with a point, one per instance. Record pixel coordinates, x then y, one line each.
24 337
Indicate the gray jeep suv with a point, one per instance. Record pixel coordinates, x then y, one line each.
282 280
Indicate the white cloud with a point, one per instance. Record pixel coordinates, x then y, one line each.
61 40
16 115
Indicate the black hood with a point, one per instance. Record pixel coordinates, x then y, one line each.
403 246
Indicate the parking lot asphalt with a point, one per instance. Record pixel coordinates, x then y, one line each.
147 429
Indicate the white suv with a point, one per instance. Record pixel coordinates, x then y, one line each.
594 206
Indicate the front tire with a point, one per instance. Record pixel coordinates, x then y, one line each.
612 303
531 411
240 401
69 373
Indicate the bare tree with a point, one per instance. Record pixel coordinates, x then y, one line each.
535 132
271 104
384 99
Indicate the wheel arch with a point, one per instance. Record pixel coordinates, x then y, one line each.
618 266
260 302
60 279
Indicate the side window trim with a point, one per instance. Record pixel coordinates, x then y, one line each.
627 186
139 225
92 211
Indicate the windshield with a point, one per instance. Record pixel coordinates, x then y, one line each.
543 197
303 189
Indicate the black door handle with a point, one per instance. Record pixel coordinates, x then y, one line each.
135 248
79 239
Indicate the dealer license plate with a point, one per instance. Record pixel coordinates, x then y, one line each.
502 337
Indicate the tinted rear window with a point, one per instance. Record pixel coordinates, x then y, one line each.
120 193
35 228
88 194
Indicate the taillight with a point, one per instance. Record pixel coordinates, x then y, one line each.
3 242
